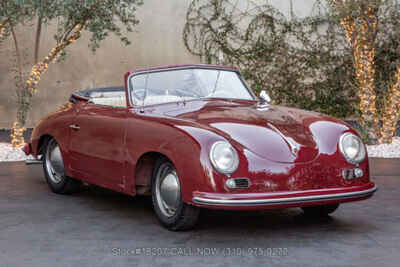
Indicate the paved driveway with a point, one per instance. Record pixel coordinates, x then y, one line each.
101 228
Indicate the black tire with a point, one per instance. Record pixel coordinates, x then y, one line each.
184 216
65 185
320 211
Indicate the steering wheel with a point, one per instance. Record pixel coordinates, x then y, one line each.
183 92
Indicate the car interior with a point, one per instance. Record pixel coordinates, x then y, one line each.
108 96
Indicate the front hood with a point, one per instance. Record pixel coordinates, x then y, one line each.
276 133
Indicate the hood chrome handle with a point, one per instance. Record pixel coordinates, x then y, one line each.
74 127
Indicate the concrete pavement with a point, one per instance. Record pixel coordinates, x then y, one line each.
100 228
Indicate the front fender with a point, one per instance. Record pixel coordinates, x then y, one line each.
55 125
186 145
190 155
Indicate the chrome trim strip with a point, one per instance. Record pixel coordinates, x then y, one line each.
75 127
287 200
33 161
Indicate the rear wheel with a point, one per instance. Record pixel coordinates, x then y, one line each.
171 211
53 166
320 211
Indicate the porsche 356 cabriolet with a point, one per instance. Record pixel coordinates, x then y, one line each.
196 136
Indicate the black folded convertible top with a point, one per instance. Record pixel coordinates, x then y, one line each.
86 94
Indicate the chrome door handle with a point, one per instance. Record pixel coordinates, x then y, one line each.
75 127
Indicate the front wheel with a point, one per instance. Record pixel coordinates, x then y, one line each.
53 166
171 211
320 211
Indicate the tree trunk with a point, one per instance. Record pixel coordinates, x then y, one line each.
392 111
361 34
365 73
29 87
37 40
17 133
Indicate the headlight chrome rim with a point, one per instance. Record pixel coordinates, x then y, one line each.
359 158
234 154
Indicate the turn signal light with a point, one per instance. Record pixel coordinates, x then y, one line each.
237 183
350 174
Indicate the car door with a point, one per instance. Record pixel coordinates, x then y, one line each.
97 144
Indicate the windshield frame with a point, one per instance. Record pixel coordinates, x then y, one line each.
132 75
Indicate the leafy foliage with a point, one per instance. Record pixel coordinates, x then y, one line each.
98 18
301 62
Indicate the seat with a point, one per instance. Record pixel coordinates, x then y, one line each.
110 101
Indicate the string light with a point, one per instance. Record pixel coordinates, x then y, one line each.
392 111
364 54
17 137
364 63
41 67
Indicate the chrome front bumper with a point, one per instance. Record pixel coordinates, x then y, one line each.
285 200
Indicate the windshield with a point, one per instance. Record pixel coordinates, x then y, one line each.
187 84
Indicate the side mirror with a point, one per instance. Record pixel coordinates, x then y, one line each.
264 96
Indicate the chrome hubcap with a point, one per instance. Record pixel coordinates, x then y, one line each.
168 190
54 162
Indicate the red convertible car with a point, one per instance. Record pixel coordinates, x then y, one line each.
196 136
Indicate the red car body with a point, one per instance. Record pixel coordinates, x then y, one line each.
116 148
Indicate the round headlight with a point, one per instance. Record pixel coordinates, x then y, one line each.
352 148
224 157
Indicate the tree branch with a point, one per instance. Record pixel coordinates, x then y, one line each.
40 67
18 54
37 40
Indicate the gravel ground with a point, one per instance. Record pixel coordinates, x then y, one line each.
385 150
7 153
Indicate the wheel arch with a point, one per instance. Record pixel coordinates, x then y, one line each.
144 170
189 155
184 143
138 179
41 144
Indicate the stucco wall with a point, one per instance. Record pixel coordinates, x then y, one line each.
157 41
